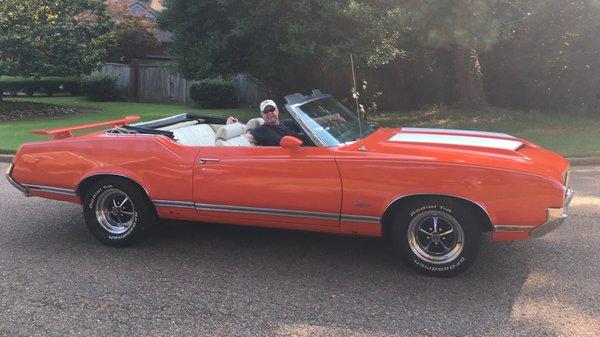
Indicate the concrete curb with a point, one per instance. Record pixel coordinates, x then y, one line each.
583 161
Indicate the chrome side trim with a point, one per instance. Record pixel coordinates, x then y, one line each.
173 203
512 229
15 184
267 211
360 218
50 189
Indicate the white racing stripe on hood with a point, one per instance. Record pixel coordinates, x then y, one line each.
462 132
503 144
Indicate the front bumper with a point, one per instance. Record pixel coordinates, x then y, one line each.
13 182
556 217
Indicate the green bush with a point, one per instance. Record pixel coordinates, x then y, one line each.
213 93
47 85
101 87
72 85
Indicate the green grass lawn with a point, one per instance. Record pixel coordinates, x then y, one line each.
571 134
15 133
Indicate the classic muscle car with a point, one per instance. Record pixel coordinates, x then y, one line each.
433 193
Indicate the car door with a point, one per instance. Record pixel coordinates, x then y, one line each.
268 186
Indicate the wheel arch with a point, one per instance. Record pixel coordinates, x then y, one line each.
483 216
88 181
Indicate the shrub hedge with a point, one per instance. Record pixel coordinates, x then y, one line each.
101 87
47 85
213 93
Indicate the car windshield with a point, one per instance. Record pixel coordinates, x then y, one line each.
332 122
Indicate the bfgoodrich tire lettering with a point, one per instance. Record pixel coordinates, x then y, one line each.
115 211
436 236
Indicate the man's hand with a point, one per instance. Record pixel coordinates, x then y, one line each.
232 120
250 138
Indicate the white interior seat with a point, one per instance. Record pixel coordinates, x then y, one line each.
254 123
195 135
232 135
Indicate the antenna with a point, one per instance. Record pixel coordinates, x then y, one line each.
355 95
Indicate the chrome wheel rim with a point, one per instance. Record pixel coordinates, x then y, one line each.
436 237
115 211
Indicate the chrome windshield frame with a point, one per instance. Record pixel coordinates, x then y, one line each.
294 110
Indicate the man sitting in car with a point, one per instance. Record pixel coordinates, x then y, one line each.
271 132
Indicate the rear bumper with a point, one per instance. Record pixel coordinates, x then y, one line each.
556 217
13 182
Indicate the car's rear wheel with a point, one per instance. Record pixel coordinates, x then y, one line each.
115 211
436 236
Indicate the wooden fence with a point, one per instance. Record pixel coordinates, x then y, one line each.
123 74
159 83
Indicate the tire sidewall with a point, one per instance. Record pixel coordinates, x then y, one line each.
89 210
472 236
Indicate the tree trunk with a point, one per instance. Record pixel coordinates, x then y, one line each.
468 86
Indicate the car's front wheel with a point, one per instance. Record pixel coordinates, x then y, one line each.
436 236
115 210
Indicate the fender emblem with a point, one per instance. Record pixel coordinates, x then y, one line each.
361 204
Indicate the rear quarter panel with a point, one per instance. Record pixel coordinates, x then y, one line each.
162 167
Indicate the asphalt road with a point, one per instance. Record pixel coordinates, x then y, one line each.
204 279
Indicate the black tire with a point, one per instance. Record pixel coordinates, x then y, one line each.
121 226
436 236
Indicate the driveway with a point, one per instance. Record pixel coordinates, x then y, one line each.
205 279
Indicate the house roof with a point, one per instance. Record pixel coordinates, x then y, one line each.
146 8
156 5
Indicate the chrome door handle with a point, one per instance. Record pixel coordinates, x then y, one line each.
208 160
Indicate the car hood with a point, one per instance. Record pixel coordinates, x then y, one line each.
479 148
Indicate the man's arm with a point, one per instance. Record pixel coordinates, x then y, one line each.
250 138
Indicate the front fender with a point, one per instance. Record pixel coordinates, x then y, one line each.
511 198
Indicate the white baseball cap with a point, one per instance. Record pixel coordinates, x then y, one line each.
267 103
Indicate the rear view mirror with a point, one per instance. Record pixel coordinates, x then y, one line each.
290 142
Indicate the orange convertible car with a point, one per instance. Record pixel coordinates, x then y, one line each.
432 192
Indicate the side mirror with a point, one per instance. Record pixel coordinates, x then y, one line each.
290 142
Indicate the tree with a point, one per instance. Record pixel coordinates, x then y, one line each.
552 59
134 39
284 44
465 28
53 37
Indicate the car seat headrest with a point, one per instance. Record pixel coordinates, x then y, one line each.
254 123
230 131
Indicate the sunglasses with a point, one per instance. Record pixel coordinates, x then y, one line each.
266 111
